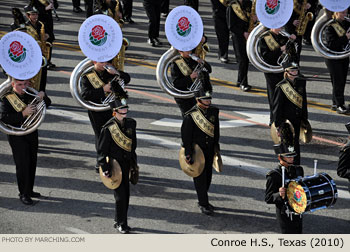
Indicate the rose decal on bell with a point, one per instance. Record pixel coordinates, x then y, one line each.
17 52
183 27
98 35
272 6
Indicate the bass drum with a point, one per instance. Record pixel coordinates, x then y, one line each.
311 193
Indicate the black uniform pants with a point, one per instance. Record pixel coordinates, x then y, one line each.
152 9
127 8
89 6
25 152
98 119
185 104
165 6
288 226
122 195
203 181
222 32
338 70
296 125
193 3
272 79
239 43
76 3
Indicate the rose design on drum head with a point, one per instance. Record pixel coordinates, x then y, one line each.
183 27
17 52
98 35
297 196
272 6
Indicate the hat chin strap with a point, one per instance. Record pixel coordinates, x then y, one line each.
282 158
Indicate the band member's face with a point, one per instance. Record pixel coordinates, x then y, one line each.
33 17
276 30
19 85
185 54
292 73
341 15
99 66
121 113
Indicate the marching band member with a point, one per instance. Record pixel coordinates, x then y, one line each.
337 37
238 21
15 107
96 85
38 31
112 9
297 23
201 126
45 8
118 141
273 44
183 75
343 169
276 192
289 103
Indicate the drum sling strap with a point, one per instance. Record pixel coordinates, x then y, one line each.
338 29
184 68
202 123
95 81
292 94
119 138
271 42
15 102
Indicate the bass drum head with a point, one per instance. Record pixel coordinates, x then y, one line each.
297 198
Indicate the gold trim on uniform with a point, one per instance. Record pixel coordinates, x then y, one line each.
95 81
224 2
184 68
292 94
119 138
202 123
236 7
271 42
15 102
338 29
44 2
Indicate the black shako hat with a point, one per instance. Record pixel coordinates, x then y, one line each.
286 147
203 94
30 9
290 65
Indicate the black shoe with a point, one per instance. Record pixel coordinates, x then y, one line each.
333 107
157 42
35 195
224 60
206 210
129 20
246 88
77 10
151 42
26 200
50 66
123 229
211 207
342 110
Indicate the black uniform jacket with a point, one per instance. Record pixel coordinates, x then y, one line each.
344 162
45 16
333 40
274 182
37 27
183 82
97 95
297 7
271 55
108 148
284 109
191 134
235 24
9 115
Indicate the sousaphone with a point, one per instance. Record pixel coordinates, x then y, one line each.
21 59
195 169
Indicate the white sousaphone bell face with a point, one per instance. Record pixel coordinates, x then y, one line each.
20 55
100 38
274 13
184 28
335 5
